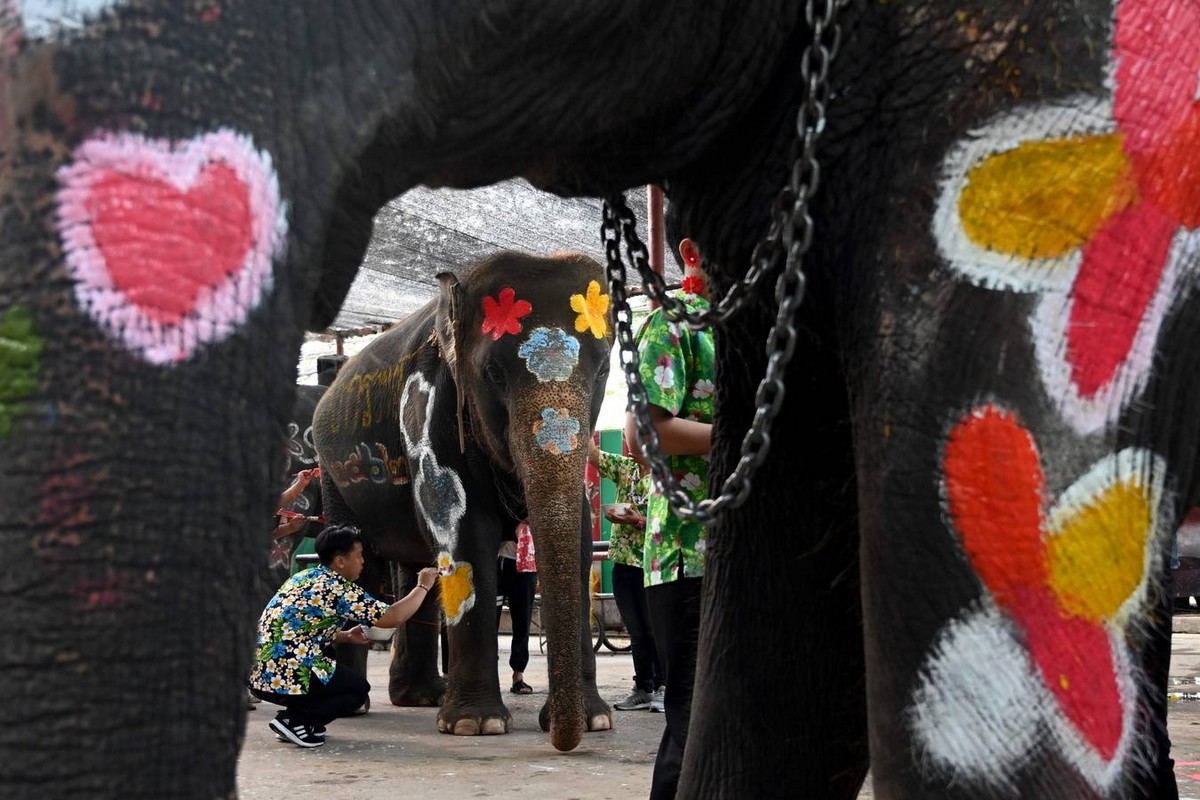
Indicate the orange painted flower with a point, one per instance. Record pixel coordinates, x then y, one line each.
1096 206
1070 576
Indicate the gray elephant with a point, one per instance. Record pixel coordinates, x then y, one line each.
473 414
991 419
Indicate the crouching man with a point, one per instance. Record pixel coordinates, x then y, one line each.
294 665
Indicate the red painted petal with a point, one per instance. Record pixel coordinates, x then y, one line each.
1075 659
993 489
163 246
1157 63
1118 275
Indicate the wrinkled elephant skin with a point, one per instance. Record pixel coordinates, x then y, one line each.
995 389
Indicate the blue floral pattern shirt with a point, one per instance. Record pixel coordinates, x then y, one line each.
300 622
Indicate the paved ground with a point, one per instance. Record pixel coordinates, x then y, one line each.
394 751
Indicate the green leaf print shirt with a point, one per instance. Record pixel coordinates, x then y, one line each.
625 542
300 622
677 367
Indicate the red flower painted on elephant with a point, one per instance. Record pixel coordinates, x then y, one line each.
503 313
1096 207
1063 581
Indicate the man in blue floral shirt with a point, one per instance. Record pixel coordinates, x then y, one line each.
294 664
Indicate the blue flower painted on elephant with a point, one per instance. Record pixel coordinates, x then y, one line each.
557 431
550 353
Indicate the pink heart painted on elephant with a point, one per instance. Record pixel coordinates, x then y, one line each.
171 245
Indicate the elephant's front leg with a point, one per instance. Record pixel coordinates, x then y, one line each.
413 677
472 703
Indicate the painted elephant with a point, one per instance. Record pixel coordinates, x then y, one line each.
444 433
956 545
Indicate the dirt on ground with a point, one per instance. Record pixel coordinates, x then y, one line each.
398 752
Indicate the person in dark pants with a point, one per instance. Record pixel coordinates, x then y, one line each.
676 365
294 664
517 582
625 545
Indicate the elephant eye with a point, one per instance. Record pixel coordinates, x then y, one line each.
495 374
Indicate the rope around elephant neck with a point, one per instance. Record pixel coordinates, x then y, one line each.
790 237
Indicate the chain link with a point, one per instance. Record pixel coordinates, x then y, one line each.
788 238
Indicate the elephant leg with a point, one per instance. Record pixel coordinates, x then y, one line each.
472 703
597 712
413 677
778 705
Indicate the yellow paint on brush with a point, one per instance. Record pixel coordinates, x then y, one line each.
1097 555
458 592
1048 197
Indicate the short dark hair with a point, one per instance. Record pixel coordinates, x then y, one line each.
336 540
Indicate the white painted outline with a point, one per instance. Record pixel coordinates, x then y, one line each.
218 310
978 655
941 751
1076 116
418 390
43 19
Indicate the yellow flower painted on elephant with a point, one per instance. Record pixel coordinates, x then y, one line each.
458 590
593 311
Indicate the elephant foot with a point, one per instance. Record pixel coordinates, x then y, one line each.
425 695
474 720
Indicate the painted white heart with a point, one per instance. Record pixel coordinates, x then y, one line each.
171 244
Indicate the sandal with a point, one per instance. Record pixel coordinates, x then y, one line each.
521 687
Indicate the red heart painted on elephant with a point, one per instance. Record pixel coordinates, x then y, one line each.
162 246
171 244
994 489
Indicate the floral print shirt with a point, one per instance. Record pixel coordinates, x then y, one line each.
625 544
677 366
300 622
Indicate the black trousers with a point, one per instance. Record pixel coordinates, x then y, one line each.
630 593
675 616
518 588
346 691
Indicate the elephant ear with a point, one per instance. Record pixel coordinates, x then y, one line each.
447 328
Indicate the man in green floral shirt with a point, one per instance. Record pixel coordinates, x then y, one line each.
294 664
625 545
676 365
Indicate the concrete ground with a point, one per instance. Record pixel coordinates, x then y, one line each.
393 752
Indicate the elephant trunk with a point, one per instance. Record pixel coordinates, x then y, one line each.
551 455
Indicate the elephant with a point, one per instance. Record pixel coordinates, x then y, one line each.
955 545
441 435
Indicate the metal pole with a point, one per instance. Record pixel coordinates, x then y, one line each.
654 213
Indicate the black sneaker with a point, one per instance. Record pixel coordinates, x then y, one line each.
296 732
317 731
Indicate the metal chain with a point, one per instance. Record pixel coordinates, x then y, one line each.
790 235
